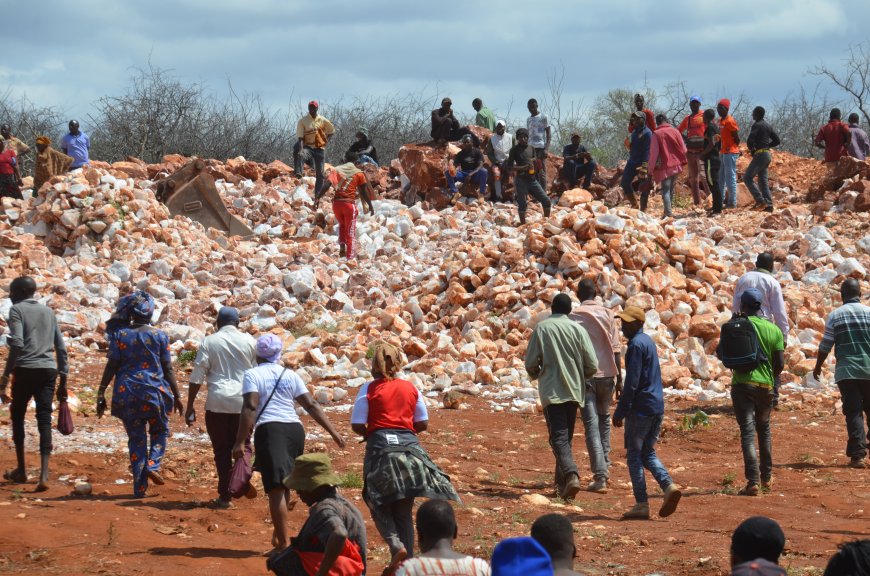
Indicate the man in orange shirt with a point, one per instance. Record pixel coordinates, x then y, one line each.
692 127
728 154
347 179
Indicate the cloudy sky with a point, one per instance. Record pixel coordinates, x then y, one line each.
68 54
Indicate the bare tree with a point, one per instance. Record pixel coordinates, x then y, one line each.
853 78
797 118
28 121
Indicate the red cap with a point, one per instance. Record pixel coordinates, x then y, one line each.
725 102
313 103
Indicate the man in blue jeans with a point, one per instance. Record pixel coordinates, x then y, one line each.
638 156
470 163
641 406
762 139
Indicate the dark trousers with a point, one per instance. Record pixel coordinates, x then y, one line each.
541 174
36 383
752 407
711 168
395 522
573 170
319 156
222 430
757 170
524 187
560 427
856 405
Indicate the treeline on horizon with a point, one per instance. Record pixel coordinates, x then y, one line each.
159 114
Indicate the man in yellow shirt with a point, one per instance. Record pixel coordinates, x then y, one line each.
314 132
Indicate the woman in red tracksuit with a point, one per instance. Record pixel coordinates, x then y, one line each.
347 180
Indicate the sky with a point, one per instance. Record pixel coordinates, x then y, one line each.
69 54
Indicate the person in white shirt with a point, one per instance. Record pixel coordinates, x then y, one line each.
497 149
269 394
220 364
539 139
773 304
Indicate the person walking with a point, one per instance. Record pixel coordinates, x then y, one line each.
521 162
313 133
859 145
710 158
348 181
497 149
539 139
667 156
762 139
638 158
560 357
388 413
729 139
77 145
270 393
641 407
600 325
37 356
847 331
145 392
834 138
752 393
693 127
221 362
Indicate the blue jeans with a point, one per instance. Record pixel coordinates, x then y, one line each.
573 170
641 435
752 407
319 156
524 187
728 179
596 423
758 168
366 159
668 192
478 178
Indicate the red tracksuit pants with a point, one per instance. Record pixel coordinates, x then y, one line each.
345 213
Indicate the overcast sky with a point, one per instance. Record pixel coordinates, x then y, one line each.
68 54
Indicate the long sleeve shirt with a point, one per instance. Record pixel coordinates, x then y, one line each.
848 328
640 144
859 145
35 340
761 137
667 153
603 333
560 356
773 304
642 390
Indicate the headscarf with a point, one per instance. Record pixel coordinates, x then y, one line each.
44 140
133 306
142 307
269 348
386 359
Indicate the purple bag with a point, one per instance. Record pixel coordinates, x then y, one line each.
64 419
240 476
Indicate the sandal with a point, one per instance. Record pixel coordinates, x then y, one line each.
155 477
15 475
41 487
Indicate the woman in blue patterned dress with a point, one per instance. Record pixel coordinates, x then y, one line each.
145 392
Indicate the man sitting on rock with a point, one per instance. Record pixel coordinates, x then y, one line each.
578 162
445 126
470 163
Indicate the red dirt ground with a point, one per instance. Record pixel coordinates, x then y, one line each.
494 459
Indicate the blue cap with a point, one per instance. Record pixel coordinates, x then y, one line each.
521 557
695 99
751 297
227 315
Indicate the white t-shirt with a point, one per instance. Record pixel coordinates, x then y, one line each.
537 126
501 145
282 407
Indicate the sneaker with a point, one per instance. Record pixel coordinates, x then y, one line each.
768 208
766 485
571 488
751 489
639 511
759 206
599 485
672 498
857 462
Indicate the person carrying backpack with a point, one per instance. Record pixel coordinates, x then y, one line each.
752 347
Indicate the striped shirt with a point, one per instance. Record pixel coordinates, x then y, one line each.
422 566
848 328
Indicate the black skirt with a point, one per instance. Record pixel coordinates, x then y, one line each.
9 187
276 445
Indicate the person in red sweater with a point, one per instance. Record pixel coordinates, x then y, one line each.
10 177
834 138
389 413
667 156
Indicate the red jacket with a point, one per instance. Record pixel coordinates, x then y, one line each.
667 153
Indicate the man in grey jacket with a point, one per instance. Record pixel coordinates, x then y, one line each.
37 355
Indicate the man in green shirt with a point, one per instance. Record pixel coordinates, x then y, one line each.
752 396
485 117
560 356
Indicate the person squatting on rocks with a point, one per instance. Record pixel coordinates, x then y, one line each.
469 159
37 355
539 139
445 126
49 163
313 133
270 393
555 534
521 162
221 362
729 141
752 385
497 149
362 151
388 413
772 302
638 159
578 162
834 138
847 331
347 180
710 158
692 127
641 407
76 145
762 139
10 173
145 392
859 145
333 538
436 531
560 357
600 325
667 156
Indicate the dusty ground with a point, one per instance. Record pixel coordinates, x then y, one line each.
495 459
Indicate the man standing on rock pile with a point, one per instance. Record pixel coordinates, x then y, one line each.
848 329
710 157
521 161
539 139
667 156
485 118
77 145
497 149
859 145
834 138
762 139
221 362
638 157
729 140
693 126
560 356
313 132
772 302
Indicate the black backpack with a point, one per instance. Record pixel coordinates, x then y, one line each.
739 348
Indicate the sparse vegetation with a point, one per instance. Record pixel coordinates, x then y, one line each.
351 479
690 422
186 357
